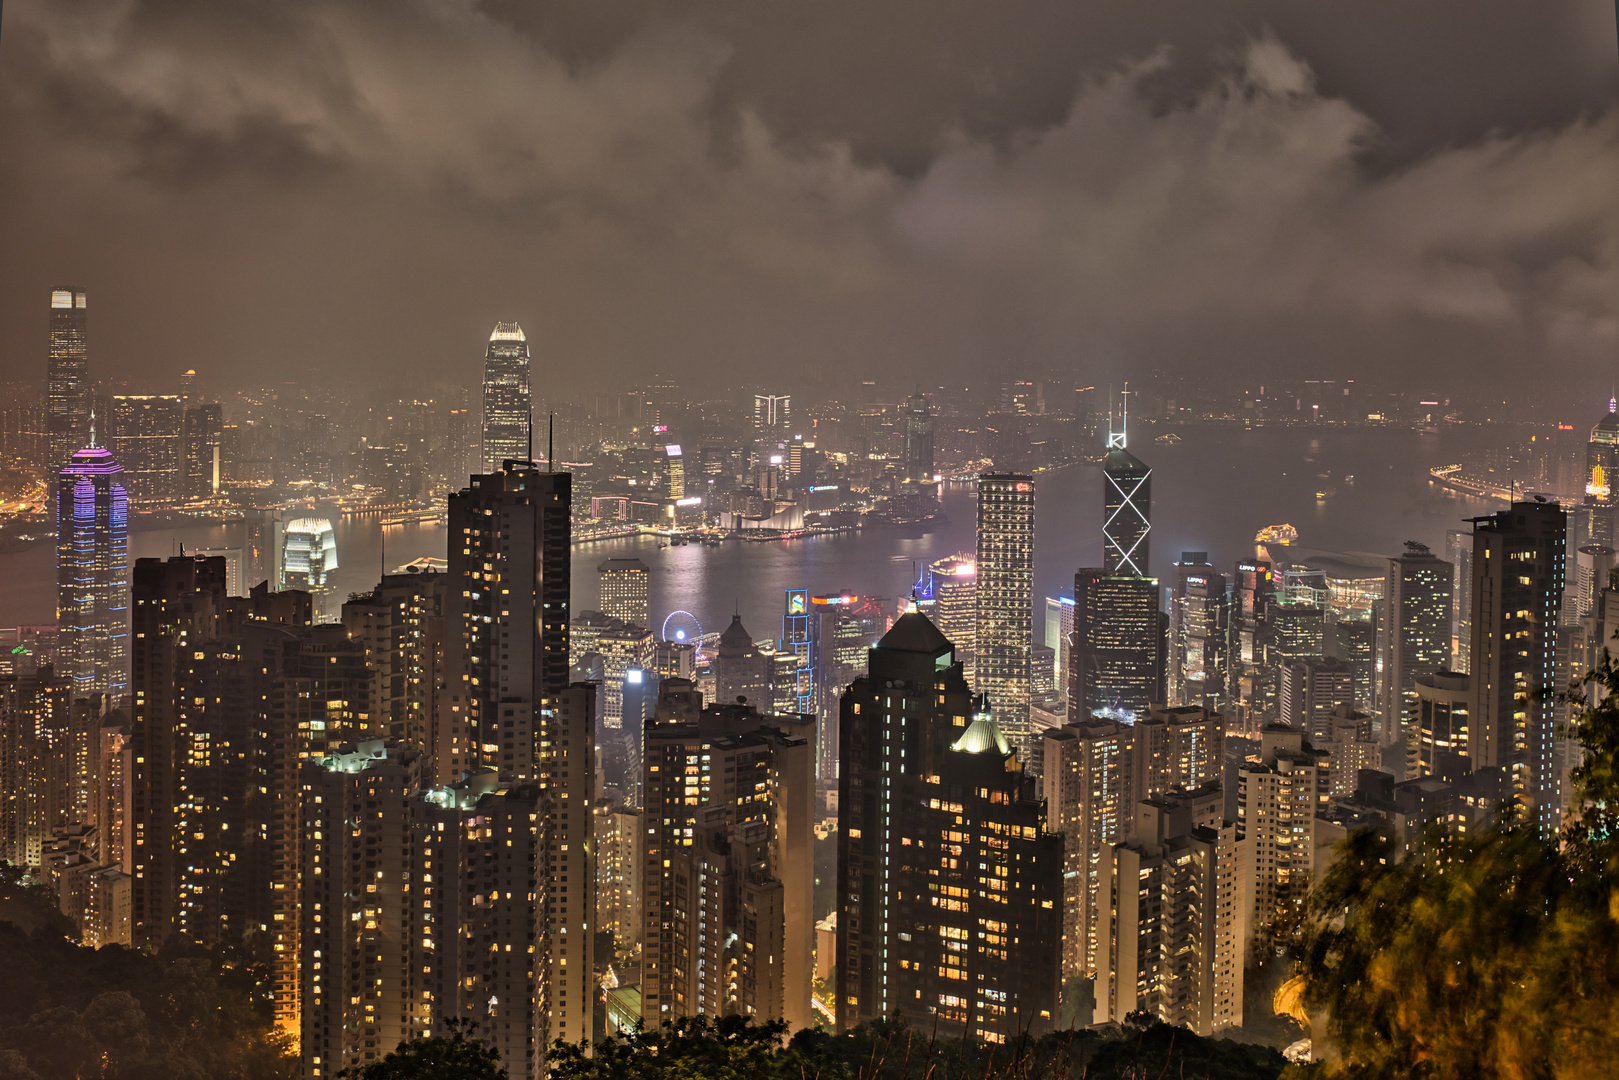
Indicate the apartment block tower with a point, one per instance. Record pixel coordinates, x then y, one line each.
950 883
508 406
1005 599
1517 595
509 691
1172 916
728 864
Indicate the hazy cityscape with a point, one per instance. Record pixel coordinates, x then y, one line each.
1221 688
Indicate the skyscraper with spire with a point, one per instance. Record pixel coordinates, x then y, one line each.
1127 498
67 377
92 573
508 406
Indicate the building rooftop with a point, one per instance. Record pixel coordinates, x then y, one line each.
913 632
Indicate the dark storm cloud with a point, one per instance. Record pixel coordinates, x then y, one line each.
724 190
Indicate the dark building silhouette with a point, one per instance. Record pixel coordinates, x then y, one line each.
950 885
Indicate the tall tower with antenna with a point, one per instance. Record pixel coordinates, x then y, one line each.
1127 501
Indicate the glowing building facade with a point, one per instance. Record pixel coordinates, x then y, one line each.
1005 599
508 406
67 420
92 573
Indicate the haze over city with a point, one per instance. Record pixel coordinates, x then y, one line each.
885 541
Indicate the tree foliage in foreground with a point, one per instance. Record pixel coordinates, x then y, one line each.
117 1014
1496 956
459 1055
735 1048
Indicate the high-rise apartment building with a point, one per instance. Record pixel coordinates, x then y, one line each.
1127 510
1415 624
1005 599
402 624
67 377
1311 689
1172 916
428 905
1517 588
1087 775
36 763
508 624
145 433
508 406
1440 735
1278 798
626 590
1116 652
177 604
1198 632
728 879
92 574
950 884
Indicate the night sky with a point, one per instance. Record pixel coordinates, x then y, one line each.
722 191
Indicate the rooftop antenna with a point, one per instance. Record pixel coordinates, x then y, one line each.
1116 439
550 443
531 436
92 425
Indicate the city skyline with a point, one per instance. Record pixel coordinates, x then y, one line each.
614 539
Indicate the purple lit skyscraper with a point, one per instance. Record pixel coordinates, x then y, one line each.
92 574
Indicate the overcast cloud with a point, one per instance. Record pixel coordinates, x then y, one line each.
725 191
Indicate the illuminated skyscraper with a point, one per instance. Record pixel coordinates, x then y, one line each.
1198 632
1518 571
798 640
204 441
626 590
67 378
1115 654
950 600
92 574
309 558
1127 504
918 420
772 412
144 433
1415 631
1005 598
508 407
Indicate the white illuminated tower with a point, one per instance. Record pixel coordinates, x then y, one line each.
1127 498
507 401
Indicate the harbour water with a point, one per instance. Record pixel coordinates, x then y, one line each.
1210 491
